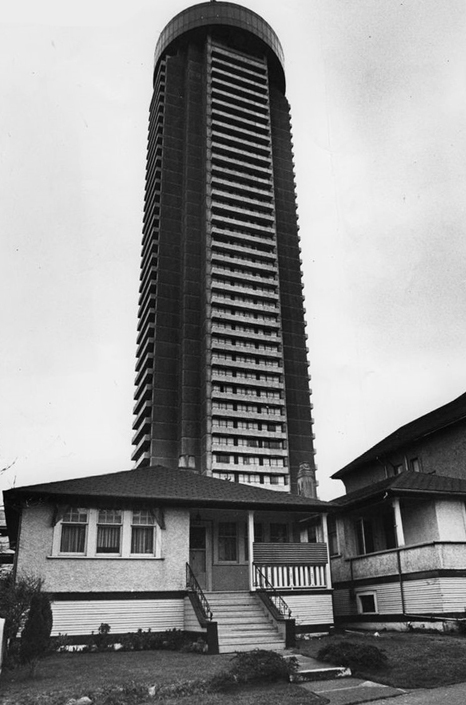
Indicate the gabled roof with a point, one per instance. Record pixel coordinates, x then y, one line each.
413 484
164 487
425 425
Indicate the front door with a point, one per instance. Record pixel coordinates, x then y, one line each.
198 542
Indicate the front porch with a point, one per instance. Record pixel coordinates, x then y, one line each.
256 578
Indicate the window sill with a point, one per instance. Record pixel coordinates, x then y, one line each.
75 556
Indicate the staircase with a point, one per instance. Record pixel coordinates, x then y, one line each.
242 623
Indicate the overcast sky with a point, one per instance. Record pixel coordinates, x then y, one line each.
378 97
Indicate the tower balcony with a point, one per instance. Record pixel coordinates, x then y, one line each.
243 166
267 414
256 291
233 432
255 304
235 200
246 348
144 412
238 334
147 346
142 448
267 240
142 430
245 248
224 170
258 267
243 316
255 384
248 450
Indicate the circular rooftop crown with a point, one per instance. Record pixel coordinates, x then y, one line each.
219 13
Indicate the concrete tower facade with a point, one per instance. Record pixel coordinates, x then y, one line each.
222 372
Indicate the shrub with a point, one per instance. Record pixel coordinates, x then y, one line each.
35 637
15 600
101 640
353 655
256 666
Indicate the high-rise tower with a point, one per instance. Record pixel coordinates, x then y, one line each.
222 372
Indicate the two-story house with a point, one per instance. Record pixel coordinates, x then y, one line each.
398 543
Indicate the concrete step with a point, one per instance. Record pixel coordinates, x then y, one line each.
242 624
268 646
312 670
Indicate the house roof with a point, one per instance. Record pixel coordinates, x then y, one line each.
165 487
425 425
414 484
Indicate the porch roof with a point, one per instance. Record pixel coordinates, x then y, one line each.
423 426
414 484
158 484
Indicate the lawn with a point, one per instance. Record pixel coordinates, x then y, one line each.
64 676
414 660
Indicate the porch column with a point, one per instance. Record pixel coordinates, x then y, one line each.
400 537
327 567
251 548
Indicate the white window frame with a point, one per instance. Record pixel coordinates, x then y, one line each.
368 593
90 551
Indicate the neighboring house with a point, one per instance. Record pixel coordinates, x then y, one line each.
398 544
162 549
6 554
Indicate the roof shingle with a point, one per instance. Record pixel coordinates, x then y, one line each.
165 486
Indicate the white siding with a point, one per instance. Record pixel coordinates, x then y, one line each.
453 594
78 617
310 609
342 603
422 596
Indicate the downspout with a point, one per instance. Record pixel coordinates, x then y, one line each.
400 576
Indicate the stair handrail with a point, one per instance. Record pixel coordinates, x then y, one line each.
193 585
281 605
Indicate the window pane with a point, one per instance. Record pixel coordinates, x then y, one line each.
279 533
73 539
110 516
108 539
143 517
142 539
227 541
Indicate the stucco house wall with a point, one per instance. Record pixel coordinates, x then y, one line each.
64 574
451 520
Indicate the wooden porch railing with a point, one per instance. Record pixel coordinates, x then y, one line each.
291 565
290 576
193 586
277 600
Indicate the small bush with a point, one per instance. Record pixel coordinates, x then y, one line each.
35 637
101 640
258 666
15 600
353 655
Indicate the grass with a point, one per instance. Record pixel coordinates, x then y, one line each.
64 676
414 660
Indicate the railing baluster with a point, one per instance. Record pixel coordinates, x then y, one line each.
277 599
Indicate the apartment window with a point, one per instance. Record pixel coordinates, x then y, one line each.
142 533
222 458
227 542
74 531
109 531
367 602
415 465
